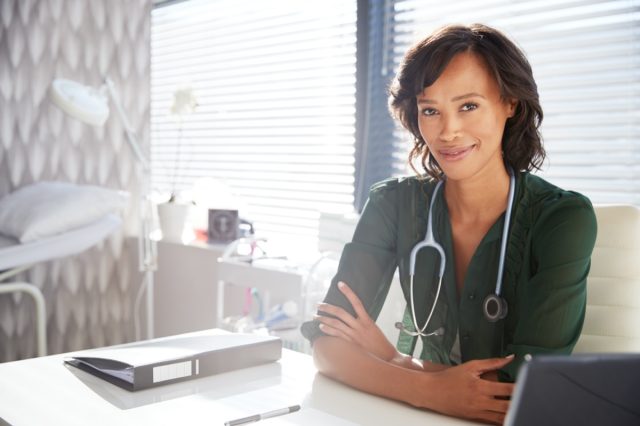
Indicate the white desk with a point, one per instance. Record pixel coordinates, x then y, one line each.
42 391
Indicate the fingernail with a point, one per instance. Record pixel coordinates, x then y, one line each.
323 327
510 356
341 284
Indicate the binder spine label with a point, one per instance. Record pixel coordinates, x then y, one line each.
171 371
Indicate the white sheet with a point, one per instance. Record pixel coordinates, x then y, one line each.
13 254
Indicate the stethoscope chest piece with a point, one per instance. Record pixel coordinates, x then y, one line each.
494 308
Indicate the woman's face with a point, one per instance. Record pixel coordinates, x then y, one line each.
462 117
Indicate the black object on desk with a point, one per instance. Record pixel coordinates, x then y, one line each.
223 225
581 389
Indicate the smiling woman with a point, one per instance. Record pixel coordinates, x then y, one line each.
469 124
496 73
492 259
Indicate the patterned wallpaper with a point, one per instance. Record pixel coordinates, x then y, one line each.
89 297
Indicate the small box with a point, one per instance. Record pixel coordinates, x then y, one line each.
223 225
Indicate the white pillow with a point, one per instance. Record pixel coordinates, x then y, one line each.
44 209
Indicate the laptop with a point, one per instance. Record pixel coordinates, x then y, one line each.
581 389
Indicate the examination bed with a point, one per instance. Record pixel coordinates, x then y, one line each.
16 257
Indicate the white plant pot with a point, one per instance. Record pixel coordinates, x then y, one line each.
173 219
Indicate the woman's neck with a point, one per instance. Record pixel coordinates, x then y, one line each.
480 198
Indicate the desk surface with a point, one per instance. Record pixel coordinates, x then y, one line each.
45 391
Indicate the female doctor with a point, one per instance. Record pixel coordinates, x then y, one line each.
492 260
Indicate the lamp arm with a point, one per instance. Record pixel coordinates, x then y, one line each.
147 254
131 136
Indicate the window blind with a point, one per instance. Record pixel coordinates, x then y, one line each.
586 60
275 84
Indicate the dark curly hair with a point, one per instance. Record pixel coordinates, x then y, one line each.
426 60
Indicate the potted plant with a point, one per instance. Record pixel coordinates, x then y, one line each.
174 213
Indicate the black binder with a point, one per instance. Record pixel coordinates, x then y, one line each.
179 358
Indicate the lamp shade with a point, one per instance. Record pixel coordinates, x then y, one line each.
79 101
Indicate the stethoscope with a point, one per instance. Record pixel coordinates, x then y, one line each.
494 305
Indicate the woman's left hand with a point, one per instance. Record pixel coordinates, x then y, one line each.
361 330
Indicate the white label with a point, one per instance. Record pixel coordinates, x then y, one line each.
171 371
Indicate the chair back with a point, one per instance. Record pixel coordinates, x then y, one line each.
612 321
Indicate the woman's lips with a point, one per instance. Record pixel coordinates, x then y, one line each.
456 154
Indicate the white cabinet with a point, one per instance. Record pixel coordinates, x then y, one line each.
275 287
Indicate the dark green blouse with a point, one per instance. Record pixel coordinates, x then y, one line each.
551 238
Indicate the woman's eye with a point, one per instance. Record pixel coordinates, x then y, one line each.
429 112
469 106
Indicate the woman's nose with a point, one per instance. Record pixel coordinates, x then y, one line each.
451 128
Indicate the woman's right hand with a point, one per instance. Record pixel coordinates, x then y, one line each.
359 329
461 391
364 332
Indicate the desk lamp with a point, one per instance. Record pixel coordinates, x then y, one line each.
91 106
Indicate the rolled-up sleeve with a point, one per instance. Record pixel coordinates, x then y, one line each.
550 306
368 262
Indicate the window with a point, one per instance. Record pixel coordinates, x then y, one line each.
275 83
586 60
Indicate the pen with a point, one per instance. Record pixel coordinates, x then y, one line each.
262 416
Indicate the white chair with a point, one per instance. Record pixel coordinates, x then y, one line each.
612 322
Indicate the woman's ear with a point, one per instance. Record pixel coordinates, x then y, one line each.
512 104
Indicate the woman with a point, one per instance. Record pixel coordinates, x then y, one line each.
468 97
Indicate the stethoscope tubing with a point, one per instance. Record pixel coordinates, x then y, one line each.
430 242
505 234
